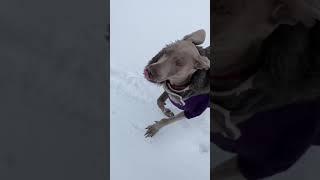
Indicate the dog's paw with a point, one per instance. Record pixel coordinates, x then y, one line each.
168 112
153 129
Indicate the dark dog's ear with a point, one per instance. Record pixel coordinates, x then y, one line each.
196 37
202 62
282 14
291 12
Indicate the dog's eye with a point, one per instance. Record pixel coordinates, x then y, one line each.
179 62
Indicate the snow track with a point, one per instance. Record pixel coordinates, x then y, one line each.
178 151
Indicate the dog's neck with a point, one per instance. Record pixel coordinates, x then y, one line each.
230 63
179 84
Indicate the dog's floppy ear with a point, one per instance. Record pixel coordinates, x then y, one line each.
282 14
202 62
196 37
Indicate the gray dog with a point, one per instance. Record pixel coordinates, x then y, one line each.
182 68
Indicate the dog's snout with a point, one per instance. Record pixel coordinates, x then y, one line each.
152 70
150 73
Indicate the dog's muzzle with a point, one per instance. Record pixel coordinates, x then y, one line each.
147 74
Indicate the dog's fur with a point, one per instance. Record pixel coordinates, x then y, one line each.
182 63
240 27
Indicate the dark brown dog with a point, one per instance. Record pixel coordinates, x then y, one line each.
239 28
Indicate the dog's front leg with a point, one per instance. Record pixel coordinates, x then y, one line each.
162 102
154 128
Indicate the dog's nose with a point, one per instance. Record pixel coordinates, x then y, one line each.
149 72
146 73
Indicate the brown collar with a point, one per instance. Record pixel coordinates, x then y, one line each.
178 88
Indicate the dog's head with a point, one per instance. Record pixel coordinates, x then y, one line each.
178 60
237 25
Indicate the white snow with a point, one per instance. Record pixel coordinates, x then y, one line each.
139 29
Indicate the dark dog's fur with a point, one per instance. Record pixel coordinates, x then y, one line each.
240 28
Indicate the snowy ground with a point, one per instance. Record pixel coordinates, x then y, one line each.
179 151
139 29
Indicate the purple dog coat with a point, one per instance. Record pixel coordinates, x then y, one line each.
273 141
194 106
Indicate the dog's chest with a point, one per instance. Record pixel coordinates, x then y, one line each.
175 95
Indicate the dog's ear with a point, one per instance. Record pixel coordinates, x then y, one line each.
282 14
202 62
196 37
